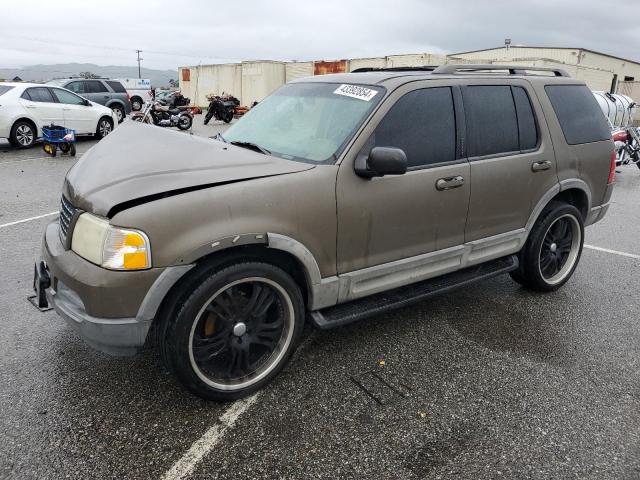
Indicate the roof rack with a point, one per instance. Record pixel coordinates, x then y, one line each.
420 68
453 68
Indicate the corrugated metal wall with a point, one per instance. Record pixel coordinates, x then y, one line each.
260 79
296 70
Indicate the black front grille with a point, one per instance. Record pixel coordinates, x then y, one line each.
67 216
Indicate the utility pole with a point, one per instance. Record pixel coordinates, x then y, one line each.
139 60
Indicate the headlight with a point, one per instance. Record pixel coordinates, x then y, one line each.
96 240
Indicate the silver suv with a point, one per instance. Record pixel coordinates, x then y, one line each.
110 93
335 198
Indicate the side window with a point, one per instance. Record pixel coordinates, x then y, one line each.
116 86
95 86
77 87
39 94
422 123
578 112
527 129
492 125
67 98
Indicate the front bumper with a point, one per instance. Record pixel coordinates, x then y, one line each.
112 311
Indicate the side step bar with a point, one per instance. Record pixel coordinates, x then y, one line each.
401 297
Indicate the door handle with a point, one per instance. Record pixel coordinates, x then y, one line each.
106 96
30 106
448 183
539 166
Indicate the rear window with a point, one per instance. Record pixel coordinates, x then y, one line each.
578 112
4 89
492 124
116 87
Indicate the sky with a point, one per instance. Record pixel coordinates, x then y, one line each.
189 32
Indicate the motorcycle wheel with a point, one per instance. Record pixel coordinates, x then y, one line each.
184 123
208 116
228 116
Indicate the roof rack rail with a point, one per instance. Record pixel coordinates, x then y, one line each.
419 68
453 68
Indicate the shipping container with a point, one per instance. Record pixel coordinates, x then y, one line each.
295 70
211 79
323 67
375 62
259 79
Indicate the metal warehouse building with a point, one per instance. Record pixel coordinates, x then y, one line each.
252 81
599 70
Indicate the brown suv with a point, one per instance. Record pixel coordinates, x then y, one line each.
337 197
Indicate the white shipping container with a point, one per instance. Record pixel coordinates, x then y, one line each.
296 70
375 62
260 79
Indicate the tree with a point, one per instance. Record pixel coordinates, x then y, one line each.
174 83
88 75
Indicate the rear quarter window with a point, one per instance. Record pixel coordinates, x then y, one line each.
4 89
578 112
116 87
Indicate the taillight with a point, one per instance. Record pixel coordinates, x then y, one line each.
612 168
620 136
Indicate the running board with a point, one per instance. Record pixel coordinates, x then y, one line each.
403 296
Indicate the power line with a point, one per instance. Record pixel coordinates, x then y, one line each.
102 47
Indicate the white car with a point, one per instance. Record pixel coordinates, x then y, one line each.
27 107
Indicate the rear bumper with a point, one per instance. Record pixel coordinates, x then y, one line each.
112 311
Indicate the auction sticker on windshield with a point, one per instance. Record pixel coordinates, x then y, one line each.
355 91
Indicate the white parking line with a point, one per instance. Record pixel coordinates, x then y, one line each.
28 219
615 252
31 159
183 467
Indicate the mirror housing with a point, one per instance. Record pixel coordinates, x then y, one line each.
87 103
381 161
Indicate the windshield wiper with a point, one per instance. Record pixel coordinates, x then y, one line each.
251 146
218 136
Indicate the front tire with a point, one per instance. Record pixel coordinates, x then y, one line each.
234 333
23 134
553 249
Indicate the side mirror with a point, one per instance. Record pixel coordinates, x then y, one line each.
87 103
382 161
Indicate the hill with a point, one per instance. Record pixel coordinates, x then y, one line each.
42 73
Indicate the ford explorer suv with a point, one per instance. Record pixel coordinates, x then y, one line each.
109 93
335 198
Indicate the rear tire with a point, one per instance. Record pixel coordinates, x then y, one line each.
23 134
136 104
185 122
120 114
235 331
552 251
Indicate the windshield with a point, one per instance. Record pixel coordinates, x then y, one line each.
306 121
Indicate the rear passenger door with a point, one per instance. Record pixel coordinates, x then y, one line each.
96 91
42 106
511 157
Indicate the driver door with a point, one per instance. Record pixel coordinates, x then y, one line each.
396 230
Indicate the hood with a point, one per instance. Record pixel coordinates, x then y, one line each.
139 163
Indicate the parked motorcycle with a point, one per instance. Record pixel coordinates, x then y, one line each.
164 116
627 142
221 108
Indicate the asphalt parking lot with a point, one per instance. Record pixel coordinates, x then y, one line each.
491 381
